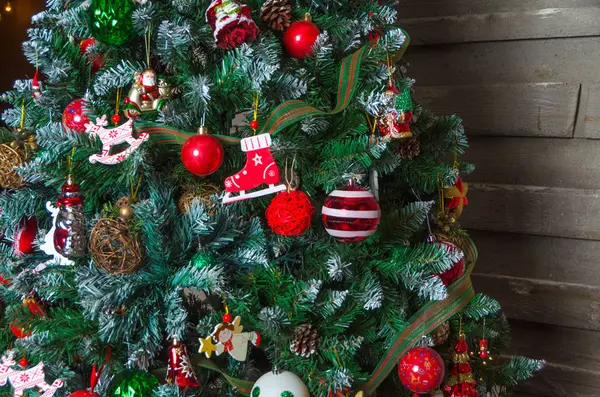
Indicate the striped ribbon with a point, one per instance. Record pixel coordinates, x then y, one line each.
288 113
428 318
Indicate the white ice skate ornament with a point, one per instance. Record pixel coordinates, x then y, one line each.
22 380
48 246
230 339
260 169
111 137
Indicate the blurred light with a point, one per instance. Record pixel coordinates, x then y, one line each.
8 6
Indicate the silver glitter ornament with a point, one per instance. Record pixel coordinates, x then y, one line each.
70 235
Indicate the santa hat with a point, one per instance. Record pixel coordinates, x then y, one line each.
35 84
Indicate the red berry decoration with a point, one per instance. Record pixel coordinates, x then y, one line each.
202 154
300 38
289 213
351 214
254 124
23 362
421 370
24 236
227 318
74 118
457 269
115 118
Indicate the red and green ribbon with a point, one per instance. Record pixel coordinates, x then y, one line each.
428 318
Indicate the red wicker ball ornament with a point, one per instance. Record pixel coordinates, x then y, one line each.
421 370
351 214
289 213
74 118
457 270
202 154
300 38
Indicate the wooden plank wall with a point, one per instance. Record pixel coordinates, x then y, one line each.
525 78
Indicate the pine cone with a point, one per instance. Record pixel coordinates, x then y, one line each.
409 148
305 340
441 334
277 14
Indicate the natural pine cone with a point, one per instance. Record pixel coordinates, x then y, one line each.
409 148
305 340
277 14
441 334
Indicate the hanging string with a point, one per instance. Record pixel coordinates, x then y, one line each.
36 60
116 118
22 115
289 176
441 193
147 41
134 191
254 122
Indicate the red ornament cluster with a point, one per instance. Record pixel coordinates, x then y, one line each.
421 370
460 383
202 154
74 117
300 38
289 213
231 23
457 269
351 214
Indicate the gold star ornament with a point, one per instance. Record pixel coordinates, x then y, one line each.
207 346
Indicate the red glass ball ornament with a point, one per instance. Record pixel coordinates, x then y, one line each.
289 213
254 124
23 362
74 118
300 38
115 118
202 154
457 269
227 318
24 236
84 393
421 370
351 214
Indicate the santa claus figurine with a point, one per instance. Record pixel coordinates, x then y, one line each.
148 93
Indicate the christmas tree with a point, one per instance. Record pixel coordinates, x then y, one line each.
199 194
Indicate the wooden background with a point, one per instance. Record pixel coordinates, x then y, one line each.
525 77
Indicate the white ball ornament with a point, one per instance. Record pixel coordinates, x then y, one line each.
279 384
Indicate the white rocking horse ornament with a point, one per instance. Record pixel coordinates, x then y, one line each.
111 137
22 380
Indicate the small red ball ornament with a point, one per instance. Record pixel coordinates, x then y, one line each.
115 118
254 124
84 393
421 370
23 362
24 236
300 38
202 154
457 269
351 214
74 118
227 318
289 213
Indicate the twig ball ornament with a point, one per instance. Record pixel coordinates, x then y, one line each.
351 214
199 193
279 384
421 370
300 38
113 248
74 117
133 383
289 213
9 159
202 154
458 267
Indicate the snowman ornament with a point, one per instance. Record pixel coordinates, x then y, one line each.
279 384
229 338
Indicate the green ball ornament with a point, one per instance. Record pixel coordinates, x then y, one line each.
133 383
203 259
110 21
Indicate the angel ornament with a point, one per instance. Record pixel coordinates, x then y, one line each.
148 93
229 338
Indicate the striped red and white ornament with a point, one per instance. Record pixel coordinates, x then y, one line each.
351 214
